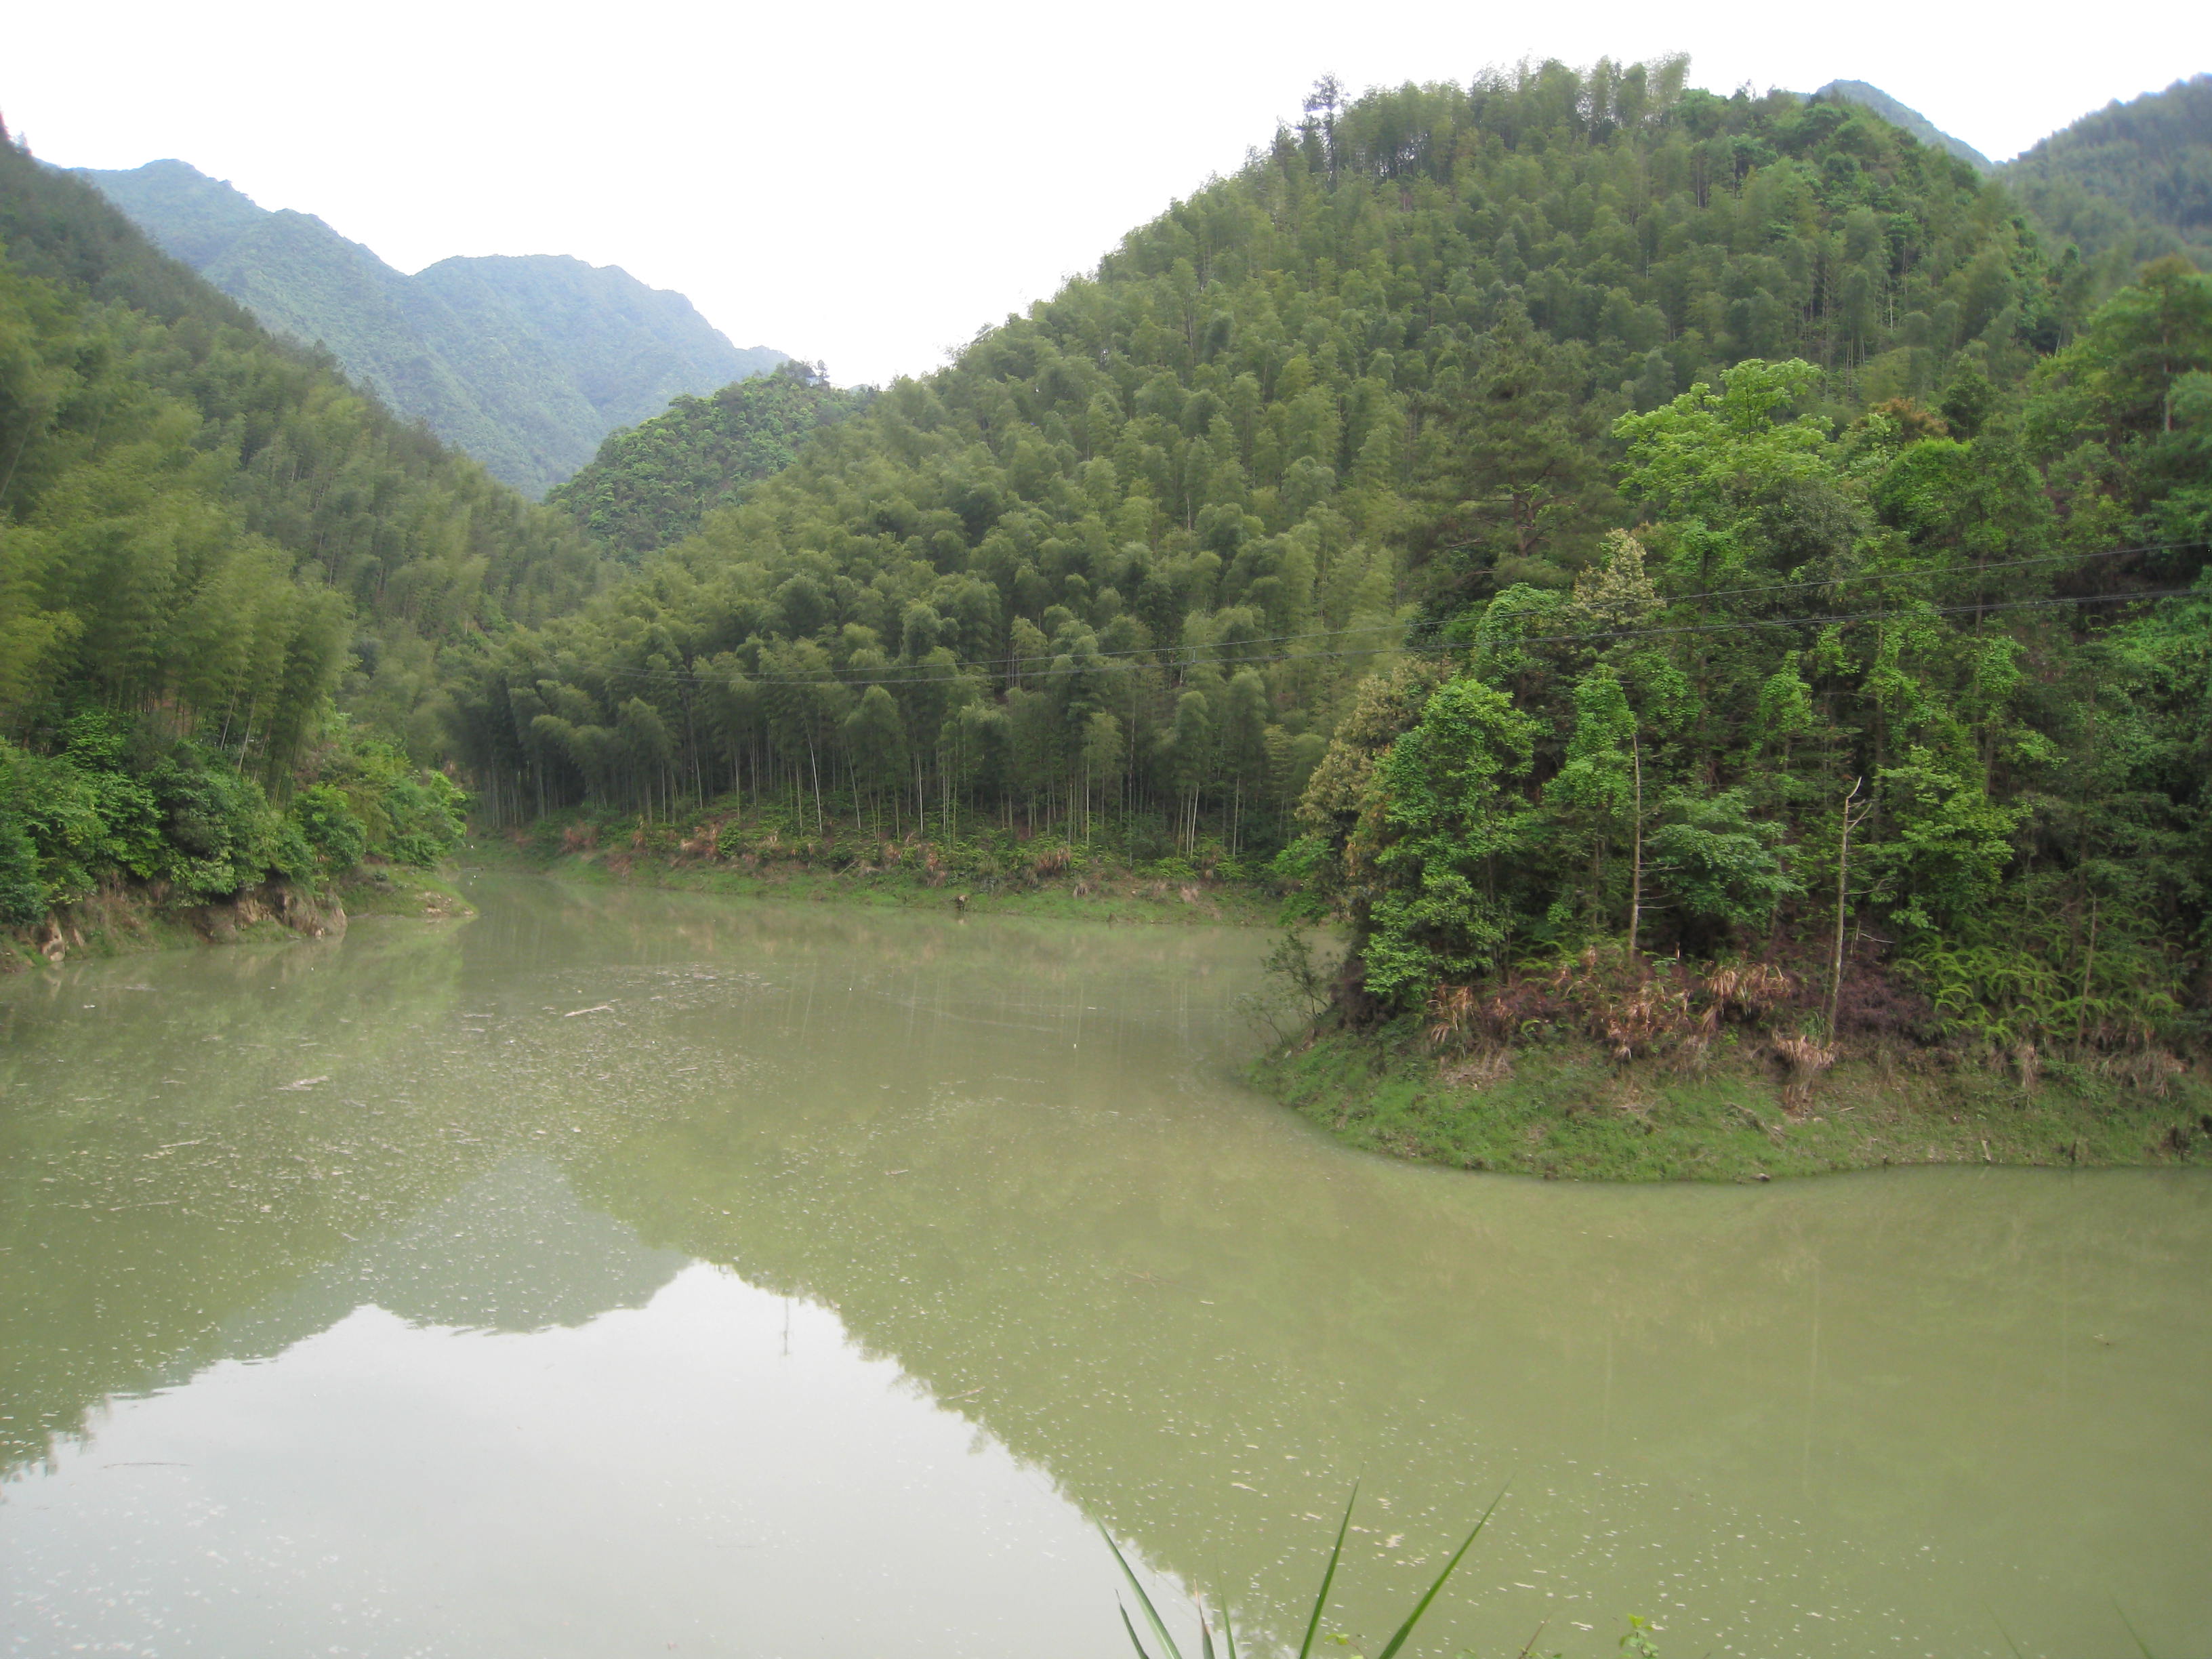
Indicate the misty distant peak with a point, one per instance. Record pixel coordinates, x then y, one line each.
525 360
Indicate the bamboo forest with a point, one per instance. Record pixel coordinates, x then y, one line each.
1595 629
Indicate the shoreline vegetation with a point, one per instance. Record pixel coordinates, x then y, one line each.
979 869
1564 1109
1713 1087
1604 1066
1710 598
1713 597
119 833
1535 1082
128 918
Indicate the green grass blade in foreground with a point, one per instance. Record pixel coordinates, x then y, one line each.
1228 1632
1151 1612
1414 1618
1132 1629
2142 1646
1305 1648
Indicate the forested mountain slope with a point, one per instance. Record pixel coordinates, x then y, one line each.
1373 371
649 486
205 535
1416 365
524 362
1902 115
2134 178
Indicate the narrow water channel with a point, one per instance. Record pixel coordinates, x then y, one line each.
631 1272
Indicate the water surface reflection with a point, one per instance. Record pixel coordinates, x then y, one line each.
390 1240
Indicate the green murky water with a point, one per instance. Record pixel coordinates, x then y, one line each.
635 1273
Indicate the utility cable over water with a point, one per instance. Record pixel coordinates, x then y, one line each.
1176 657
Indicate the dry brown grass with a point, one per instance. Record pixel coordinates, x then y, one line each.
1480 1069
1804 1058
1635 1009
2153 1071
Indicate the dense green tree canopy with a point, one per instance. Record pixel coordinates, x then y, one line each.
1568 514
649 486
205 536
2132 181
1370 378
1987 652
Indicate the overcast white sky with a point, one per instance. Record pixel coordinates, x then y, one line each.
869 184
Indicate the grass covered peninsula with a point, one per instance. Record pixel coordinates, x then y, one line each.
1569 1111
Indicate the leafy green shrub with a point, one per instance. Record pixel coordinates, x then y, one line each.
289 855
1719 859
98 746
96 810
22 895
405 814
110 800
220 832
325 819
426 822
56 811
1450 814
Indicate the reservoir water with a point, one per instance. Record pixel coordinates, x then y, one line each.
631 1274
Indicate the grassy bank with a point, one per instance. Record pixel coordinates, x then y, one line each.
982 871
127 919
1566 1110
417 895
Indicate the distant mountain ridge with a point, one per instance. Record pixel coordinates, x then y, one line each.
2126 184
525 361
1904 116
2135 178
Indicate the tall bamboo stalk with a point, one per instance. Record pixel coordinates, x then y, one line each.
1636 846
1850 821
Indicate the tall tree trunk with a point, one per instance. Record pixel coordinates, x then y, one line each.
1636 846
2089 967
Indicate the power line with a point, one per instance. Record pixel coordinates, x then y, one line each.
1930 575
1838 618
1099 665
1173 658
